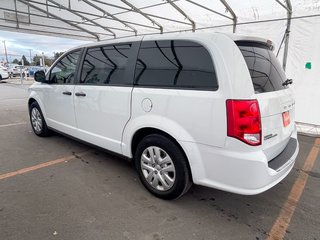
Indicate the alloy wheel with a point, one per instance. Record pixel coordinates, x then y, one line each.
158 168
36 120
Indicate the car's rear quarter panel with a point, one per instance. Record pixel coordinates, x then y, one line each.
188 115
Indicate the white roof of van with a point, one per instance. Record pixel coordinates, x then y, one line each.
205 35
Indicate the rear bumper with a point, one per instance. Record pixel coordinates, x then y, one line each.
285 156
246 173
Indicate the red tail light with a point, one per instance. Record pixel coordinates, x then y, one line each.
244 121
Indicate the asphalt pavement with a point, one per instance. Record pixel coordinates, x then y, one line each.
58 188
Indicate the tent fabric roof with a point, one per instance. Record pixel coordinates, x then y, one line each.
99 19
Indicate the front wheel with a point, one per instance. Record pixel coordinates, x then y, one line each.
162 167
37 120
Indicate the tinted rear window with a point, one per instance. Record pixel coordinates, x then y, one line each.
175 64
265 70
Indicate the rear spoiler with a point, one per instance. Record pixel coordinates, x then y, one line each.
266 45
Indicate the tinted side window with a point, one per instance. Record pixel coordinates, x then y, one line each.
176 64
65 70
106 65
266 72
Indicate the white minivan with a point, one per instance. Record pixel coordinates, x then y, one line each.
207 108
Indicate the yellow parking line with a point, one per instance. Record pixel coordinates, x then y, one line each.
12 124
42 165
280 226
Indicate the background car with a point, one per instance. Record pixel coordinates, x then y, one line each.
3 73
14 70
4 68
33 69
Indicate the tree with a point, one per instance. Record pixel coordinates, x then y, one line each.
56 55
15 61
47 61
36 60
25 61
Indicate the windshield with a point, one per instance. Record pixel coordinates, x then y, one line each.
266 72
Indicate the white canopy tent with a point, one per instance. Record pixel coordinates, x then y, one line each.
293 25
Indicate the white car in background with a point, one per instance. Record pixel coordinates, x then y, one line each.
15 70
3 73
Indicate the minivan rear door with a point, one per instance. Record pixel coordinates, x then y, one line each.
276 100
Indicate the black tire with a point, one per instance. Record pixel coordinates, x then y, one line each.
0 77
43 131
182 181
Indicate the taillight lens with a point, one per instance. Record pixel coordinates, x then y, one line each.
244 121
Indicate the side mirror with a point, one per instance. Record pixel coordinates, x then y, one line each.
40 76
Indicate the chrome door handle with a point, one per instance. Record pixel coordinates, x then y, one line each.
67 93
80 94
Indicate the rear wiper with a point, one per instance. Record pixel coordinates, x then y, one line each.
287 82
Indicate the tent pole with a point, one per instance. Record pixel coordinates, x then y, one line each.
83 17
183 14
111 15
137 10
60 18
287 33
15 7
209 9
234 16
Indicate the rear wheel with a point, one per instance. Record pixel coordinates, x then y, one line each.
0 77
37 120
162 167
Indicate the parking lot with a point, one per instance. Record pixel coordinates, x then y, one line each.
57 188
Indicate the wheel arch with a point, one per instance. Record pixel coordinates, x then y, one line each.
35 98
30 101
145 131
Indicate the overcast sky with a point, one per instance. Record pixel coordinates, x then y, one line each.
18 44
